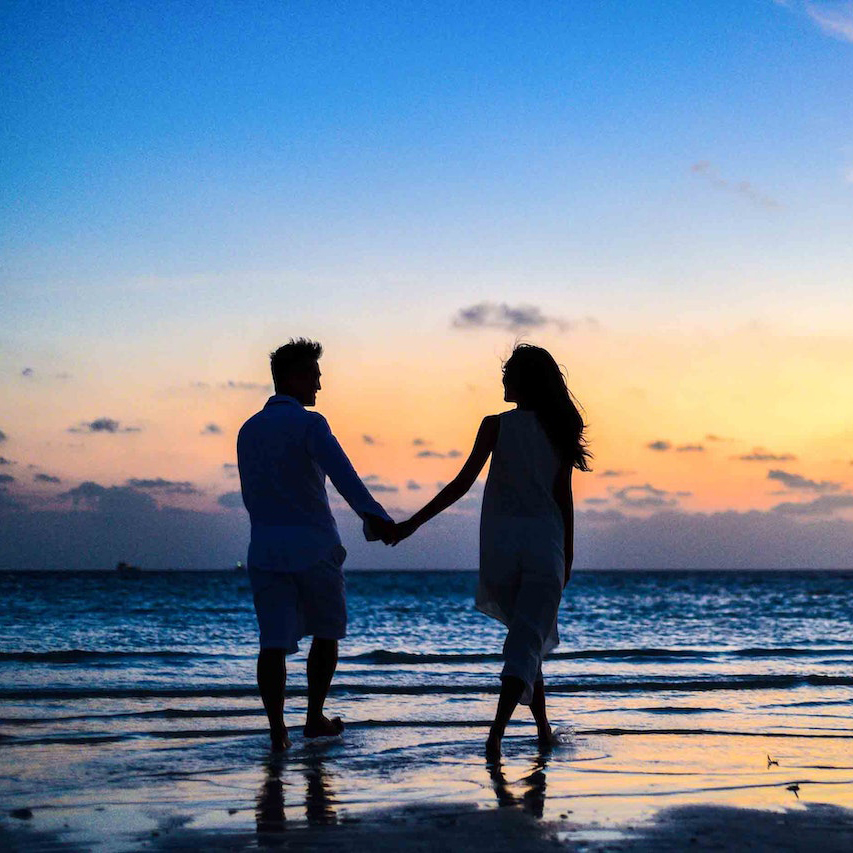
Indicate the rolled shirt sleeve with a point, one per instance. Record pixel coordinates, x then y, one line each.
324 448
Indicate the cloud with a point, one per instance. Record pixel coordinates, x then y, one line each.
211 429
596 500
231 500
27 372
109 425
823 505
368 439
239 385
169 487
429 454
835 19
230 470
798 482
382 487
644 497
453 454
3 436
660 445
46 478
413 485
615 472
711 437
109 500
759 454
744 189
519 318
5 461
420 442
690 448
6 478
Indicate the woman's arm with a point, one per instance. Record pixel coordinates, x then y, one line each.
563 497
484 444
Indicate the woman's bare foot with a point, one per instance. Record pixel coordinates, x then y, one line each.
323 727
280 741
545 737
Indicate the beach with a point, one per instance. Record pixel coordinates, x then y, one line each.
130 720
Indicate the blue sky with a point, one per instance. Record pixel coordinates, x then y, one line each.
186 185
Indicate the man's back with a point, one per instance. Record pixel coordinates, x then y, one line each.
281 482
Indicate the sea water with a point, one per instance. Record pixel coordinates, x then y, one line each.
130 682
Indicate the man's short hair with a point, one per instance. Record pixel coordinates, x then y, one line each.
295 354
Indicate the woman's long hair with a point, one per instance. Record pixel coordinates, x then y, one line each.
539 384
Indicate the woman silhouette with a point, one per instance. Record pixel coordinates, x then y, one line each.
527 525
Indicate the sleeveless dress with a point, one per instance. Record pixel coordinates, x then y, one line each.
522 534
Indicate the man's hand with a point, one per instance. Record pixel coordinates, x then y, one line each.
386 530
404 530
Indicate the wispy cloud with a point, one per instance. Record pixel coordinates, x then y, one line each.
645 497
211 429
108 425
413 485
3 436
835 19
759 454
368 439
690 448
28 372
420 442
616 472
800 483
513 318
5 461
746 190
46 478
6 478
230 500
822 505
660 445
158 484
434 454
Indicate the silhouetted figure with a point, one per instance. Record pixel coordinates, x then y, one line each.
527 525
319 798
269 808
284 454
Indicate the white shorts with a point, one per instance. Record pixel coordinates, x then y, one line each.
293 605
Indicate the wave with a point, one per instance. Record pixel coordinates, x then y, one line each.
384 657
612 685
95 655
651 655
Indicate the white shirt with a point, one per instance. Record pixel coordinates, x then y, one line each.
284 453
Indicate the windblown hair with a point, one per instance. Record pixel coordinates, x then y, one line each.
296 353
540 385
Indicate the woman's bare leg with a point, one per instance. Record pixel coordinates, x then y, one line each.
511 690
537 706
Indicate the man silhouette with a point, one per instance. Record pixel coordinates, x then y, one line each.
284 454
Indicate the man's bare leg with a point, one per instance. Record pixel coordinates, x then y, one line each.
537 706
322 663
511 690
272 677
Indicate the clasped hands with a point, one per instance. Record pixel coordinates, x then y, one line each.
390 532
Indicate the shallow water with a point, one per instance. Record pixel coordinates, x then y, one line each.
672 685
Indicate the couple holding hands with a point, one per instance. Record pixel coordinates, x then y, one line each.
285 452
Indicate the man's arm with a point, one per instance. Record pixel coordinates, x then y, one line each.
329 455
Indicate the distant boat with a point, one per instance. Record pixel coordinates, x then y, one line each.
127 570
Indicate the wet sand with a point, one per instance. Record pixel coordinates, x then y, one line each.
431 789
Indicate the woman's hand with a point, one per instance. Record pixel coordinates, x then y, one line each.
404 530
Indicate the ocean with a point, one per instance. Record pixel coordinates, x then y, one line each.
136 691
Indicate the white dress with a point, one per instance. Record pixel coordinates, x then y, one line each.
522 542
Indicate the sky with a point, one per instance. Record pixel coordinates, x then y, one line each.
660 193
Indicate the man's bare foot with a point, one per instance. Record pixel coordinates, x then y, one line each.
280 741
323 727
